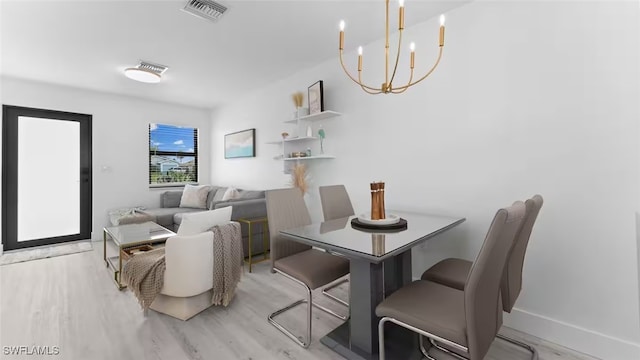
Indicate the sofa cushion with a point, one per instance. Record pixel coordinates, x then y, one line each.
203 220
164 216
251 194
194 196
212 193
171 198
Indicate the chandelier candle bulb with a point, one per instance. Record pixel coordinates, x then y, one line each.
341 34
360 58
401 15
412 47
441 30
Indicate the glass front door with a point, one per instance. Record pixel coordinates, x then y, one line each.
46 177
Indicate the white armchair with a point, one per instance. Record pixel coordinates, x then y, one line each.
188 278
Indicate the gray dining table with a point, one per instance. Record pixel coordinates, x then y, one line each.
380 263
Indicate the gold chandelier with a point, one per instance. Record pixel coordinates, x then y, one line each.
387 86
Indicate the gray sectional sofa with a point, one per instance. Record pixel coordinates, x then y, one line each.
250 204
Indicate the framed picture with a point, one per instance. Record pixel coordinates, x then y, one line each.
240 144
316 103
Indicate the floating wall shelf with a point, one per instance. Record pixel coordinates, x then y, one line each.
300 143
327 114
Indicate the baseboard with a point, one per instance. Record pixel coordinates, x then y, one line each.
574 337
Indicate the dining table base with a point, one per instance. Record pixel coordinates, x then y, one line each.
370 284
400 343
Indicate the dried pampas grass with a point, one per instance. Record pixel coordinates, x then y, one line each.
297 97
299 178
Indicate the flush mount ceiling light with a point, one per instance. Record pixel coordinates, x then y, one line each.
146 72
388 87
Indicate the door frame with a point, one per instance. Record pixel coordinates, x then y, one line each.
10 115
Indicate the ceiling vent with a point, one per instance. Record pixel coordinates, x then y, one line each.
154 68
205 9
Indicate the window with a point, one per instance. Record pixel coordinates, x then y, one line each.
173 155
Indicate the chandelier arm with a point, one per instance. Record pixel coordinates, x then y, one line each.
396 91
427 74
393 75
377 91
352 78
369 91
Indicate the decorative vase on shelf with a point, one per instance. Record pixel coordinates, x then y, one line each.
321 135
302 111
309 131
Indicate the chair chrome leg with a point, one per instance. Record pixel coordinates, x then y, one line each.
304 342
326 293
331 312
446 351
381 337
381 352
419 332
424 351
532 350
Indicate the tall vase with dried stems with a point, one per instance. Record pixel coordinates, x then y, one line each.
299 178
298 99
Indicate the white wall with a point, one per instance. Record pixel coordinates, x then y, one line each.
531 97
120 139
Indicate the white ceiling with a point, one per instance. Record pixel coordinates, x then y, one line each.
89 43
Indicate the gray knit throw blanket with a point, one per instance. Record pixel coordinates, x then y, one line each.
144 274
228 263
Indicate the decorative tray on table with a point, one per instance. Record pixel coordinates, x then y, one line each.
390 222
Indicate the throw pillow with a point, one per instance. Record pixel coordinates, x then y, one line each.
212 194
194 196
219 194
230 194
197 222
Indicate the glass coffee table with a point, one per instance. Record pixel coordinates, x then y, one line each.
129 238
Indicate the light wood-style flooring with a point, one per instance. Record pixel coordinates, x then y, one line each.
71 302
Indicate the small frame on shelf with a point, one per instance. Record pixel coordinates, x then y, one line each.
315 97
240 144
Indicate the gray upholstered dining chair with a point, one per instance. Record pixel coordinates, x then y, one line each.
453 272
465 320
335 205
298 262
335 202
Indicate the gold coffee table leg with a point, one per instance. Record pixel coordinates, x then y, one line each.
104 247
265 239
119 274
250 246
